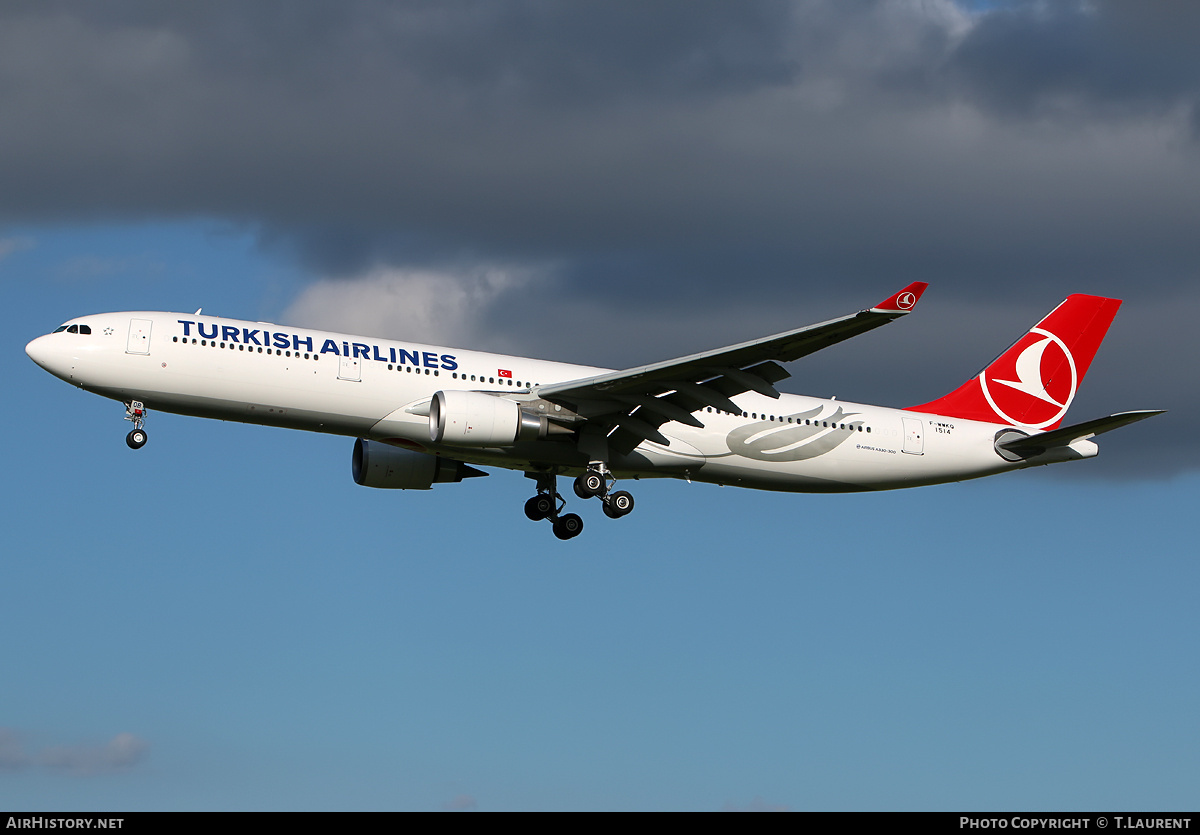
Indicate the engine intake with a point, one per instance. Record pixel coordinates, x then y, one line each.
376 464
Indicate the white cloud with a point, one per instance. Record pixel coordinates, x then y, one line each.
10 245
121 752
12 753
461 803
439 306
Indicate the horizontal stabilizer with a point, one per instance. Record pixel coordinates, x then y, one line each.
1067 435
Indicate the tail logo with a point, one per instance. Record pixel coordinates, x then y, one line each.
1039 385
905 301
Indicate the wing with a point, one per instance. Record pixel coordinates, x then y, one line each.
629 406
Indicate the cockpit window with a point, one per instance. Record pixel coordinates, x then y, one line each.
73 329
60 329
85 329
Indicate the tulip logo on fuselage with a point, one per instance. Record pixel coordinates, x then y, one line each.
805 437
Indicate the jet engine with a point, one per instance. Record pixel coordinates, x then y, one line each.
379 465
472 418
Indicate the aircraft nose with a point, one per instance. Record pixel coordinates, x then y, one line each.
48 352
39 351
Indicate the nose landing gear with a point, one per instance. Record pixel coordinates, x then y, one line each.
136 412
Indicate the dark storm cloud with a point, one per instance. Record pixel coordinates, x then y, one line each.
671 140
728 166
1107 55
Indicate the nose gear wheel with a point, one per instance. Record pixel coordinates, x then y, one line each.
136 412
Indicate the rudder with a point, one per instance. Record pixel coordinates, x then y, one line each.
1033 383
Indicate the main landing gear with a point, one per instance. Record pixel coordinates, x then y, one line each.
598 481
136 412
549 504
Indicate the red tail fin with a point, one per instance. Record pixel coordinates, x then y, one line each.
1033 383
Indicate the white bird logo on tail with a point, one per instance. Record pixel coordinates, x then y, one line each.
1030 381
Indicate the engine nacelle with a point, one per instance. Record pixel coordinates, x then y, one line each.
379 465
471 418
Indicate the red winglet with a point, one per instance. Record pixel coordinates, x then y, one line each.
904 301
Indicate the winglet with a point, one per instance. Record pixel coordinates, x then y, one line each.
904 301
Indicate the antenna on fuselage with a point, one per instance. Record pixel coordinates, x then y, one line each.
198 309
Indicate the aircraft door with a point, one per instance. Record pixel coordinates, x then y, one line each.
350 369
139 336
914 438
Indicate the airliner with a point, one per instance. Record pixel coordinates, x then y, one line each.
423 415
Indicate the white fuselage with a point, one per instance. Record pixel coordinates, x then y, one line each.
379 389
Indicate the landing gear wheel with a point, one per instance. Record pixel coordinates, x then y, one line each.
590 484
539 507
568 526
618 504
136 439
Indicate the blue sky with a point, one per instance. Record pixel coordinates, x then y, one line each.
280 638
224 620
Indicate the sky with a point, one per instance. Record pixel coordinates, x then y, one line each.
224 620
